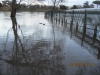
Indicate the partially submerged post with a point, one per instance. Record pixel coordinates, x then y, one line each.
71 23
66 23
84 26
95 34
76 27
56 19
62 21
64 16
59 16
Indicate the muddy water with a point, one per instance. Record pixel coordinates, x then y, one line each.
33 45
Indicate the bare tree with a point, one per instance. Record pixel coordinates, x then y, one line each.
14 5
30 2
13 11
86 4
55 4
14 8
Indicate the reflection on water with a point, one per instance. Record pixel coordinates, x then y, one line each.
32 45
29 53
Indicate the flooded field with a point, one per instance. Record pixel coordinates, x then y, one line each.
30 44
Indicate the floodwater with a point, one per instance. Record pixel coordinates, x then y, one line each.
30 44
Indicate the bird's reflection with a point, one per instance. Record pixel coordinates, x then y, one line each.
41 58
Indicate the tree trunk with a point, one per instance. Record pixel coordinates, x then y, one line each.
13 11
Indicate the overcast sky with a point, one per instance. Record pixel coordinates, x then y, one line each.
77 2
73 2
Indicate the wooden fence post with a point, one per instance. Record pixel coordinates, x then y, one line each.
66 23
59 20
59 16
55 16
64 17
95 34
84 27
56 19
98 54
76 27
62 21
71 25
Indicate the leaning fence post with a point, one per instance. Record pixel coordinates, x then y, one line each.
76 27
95 34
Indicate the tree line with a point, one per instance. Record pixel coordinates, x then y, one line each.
85 5
56 4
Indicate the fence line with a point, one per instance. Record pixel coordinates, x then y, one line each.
85 21
84 24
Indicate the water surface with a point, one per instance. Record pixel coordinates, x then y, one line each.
30 44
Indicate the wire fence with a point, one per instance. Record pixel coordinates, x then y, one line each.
84 23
